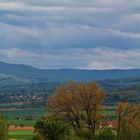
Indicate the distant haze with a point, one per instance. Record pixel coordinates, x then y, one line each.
11 74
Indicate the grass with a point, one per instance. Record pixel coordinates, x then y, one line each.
35 114
110 107
23 114
24 134
38 112
19 122
109 111
21 134
32 113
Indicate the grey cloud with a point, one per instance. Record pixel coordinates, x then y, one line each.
99 58
77 34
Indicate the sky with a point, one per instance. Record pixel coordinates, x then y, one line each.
81 34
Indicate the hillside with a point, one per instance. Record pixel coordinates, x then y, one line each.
20 74
30 87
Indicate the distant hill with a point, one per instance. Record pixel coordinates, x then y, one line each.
20 74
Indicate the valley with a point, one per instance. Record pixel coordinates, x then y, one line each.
24 92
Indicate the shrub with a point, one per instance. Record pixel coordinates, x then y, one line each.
3 129
87 135
51 130
106 134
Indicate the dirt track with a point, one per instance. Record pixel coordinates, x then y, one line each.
15 128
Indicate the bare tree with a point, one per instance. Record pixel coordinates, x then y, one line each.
79 104
128 117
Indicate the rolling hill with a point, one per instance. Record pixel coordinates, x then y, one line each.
20 74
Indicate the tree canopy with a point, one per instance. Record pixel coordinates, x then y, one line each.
79 104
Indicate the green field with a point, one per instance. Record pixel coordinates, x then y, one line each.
31 113
22 116
36 113
113 107
24 134
109 111
23 122
21 134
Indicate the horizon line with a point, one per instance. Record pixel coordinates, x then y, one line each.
66 68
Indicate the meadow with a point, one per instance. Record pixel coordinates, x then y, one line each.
27 118
32 113
22 119
24 134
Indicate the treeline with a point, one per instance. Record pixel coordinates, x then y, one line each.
119 90
75 113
